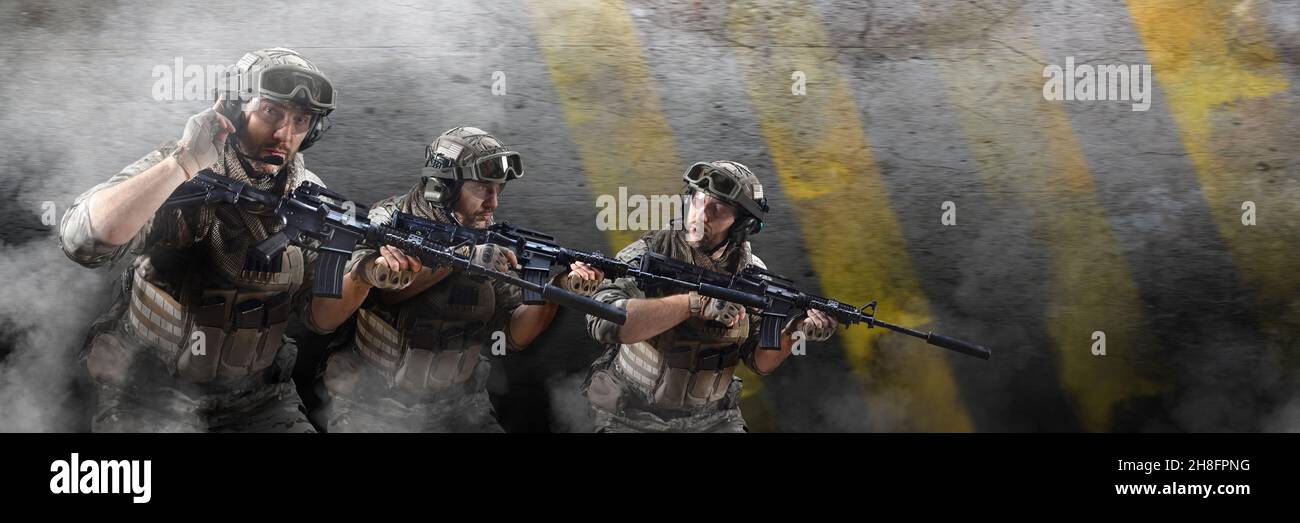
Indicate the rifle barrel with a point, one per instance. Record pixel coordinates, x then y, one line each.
939 340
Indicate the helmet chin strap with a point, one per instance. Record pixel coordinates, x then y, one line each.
719 246
455 217
711 250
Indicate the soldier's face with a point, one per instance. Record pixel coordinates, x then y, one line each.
273 129
707 220
477 203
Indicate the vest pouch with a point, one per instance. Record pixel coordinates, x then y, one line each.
199 358
249 318
277 319
437 359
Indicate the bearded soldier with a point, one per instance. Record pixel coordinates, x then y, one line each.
670 367
416 361
195 340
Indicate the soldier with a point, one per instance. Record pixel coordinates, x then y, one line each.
670 367
416 362
195 339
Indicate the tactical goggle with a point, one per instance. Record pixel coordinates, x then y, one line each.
718 183
497 168
290 83
707 177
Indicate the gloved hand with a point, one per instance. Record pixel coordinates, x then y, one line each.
723 312
816 325
494 257
388 269
200 144
581 279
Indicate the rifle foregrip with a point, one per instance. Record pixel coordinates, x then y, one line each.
584 304
733 296
954 344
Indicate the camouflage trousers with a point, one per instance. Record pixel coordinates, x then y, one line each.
270 408
359 400
724 416
147 398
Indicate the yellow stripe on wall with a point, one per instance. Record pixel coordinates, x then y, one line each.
1230 96
1040 162
824 162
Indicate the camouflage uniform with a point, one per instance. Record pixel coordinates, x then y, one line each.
683 379
419 365
189 276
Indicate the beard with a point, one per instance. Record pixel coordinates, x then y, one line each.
698 233
254 153
479 220
267 169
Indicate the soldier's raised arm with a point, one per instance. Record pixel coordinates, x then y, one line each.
107 217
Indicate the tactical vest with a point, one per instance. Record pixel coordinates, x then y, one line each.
227 316
432 340
687 367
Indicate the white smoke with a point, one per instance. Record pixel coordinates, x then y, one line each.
570 410
48 304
